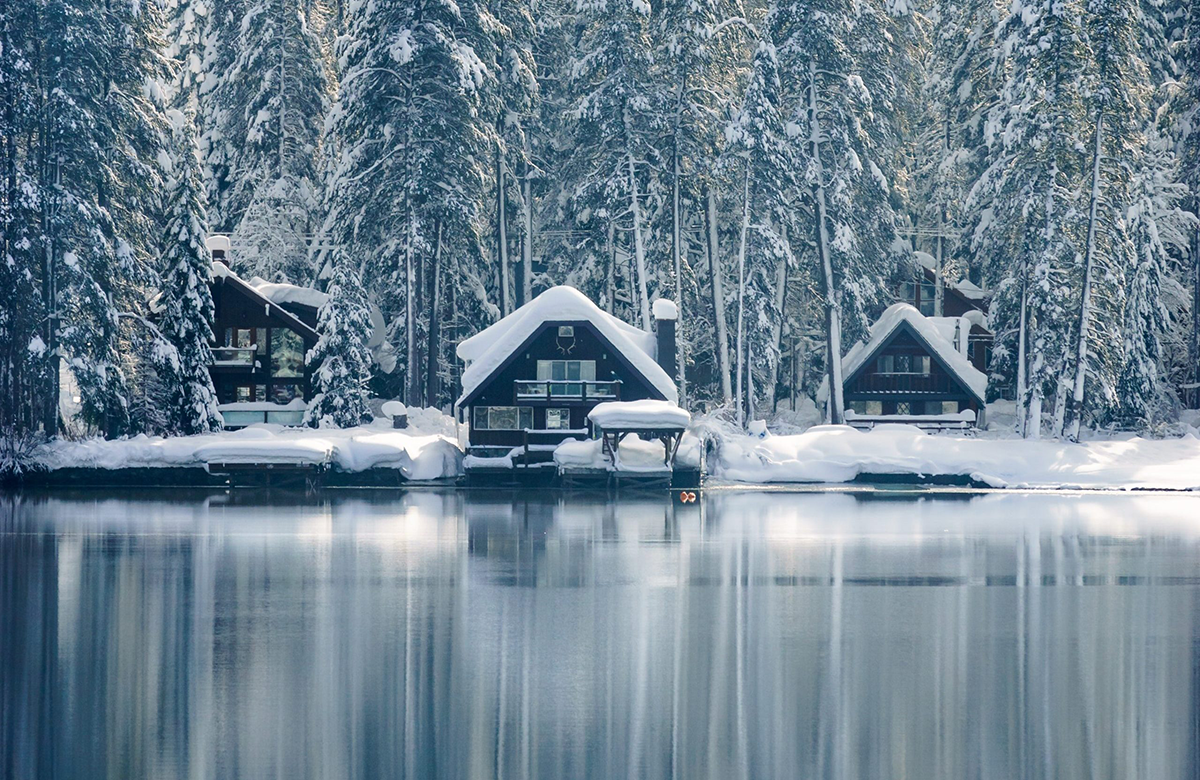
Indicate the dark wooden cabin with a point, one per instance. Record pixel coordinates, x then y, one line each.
909 368
259 346
554 371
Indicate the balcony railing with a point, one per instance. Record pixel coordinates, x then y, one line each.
234 356
568 390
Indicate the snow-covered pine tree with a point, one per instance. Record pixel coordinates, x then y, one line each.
1157 228
187 21
186 302
762 155
698 52
1187 133
409 143
340 361
614 108
1117 95
843 164
959 90
272 102
22 317
1025 206
514 33
102 137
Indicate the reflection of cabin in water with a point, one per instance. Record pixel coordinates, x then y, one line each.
262 332
532 378
915 368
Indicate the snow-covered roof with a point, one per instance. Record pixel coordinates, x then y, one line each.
645 414
964 287
486 351
969 290
929 330
222 271
281 294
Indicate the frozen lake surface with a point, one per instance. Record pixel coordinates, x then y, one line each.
474 634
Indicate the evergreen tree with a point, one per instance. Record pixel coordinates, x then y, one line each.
1026 231
614 108
340 361
1117 96
758 144
1187 133
273 99
853 224
186 302
23 338
409 139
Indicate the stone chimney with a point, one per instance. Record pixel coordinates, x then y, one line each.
219 246
665 315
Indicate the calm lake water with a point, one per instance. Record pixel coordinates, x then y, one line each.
495 635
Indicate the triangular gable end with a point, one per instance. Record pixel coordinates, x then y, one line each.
904 325
621 358
232 281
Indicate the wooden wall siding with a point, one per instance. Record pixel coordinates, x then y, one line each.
870 385
546 345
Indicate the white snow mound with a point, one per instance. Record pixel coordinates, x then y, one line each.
639 414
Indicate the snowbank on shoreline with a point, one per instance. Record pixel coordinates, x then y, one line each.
836 453
425 451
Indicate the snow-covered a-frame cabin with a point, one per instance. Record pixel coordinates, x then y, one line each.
914 369
262 332
532 378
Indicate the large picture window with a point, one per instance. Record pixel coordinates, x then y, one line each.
503 418
287 354
566 370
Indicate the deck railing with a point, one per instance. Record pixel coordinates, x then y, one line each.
235 356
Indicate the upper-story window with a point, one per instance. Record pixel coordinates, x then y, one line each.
903 364
287 354
566 370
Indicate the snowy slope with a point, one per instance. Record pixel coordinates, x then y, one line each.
488 349
835 453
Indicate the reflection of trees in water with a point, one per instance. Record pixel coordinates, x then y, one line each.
452 635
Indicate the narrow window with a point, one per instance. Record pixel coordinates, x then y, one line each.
558 419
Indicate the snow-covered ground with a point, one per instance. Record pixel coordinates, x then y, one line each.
427 449
834 453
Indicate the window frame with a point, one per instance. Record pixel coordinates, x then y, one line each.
523 414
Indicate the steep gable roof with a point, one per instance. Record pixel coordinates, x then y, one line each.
220 271
487 351
929 334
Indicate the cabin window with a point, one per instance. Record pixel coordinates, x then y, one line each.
903 364
866 407
558 419
566 370
903 407
287 354
566 331
941 407
503 418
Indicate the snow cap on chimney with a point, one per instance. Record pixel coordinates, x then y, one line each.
665 310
